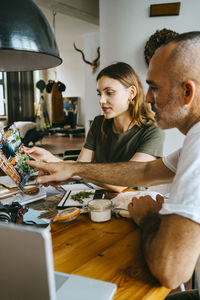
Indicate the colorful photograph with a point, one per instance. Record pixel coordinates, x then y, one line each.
12 156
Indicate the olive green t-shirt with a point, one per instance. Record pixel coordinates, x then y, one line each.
121 147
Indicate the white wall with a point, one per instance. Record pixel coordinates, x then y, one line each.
125 27
91 101
72 71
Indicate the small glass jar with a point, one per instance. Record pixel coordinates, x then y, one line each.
100 210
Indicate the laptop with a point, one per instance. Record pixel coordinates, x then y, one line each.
27 270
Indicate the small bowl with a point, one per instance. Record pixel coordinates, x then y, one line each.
31 190
67 215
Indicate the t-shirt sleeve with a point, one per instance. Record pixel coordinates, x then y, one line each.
93 132
184 198
152 141
171 161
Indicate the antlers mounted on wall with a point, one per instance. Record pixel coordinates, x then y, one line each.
95 63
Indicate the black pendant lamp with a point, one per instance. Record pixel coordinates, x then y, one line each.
27 42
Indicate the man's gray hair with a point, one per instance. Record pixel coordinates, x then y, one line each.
184 61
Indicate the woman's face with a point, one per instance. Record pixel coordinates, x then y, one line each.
114 97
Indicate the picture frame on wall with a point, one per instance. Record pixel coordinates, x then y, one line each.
71 105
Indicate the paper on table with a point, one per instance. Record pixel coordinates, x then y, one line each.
3 190
123 199
9 183
25 199
68 201
9 193
34 216
79 186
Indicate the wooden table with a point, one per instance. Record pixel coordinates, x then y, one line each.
109 251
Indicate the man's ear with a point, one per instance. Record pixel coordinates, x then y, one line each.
189 91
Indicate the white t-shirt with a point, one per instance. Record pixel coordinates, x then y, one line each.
184 198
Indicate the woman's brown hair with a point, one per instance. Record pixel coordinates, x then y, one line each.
139 110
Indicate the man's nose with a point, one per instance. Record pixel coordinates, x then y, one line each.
149 96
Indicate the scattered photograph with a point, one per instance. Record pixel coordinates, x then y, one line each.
12 156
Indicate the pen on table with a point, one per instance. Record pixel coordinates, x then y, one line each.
88 185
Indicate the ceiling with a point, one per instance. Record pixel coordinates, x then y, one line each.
74 19
86 10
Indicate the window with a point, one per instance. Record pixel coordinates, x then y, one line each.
2 95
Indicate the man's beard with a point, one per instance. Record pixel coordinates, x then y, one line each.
153 107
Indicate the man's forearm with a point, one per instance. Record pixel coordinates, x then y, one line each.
150 227
129 173
171 242
150 247
125 173
121 174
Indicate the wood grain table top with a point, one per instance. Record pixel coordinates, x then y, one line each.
109 251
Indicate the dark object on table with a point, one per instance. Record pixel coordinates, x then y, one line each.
100 194
12 213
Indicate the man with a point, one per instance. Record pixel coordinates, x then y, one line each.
170 230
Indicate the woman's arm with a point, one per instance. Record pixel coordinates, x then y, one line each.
41 154
138 156
86 155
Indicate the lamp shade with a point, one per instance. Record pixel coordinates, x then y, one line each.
27 42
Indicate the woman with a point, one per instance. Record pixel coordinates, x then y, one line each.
127 129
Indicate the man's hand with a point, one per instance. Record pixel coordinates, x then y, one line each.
144 207
53 173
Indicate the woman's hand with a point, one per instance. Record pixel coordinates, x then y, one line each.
41 154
